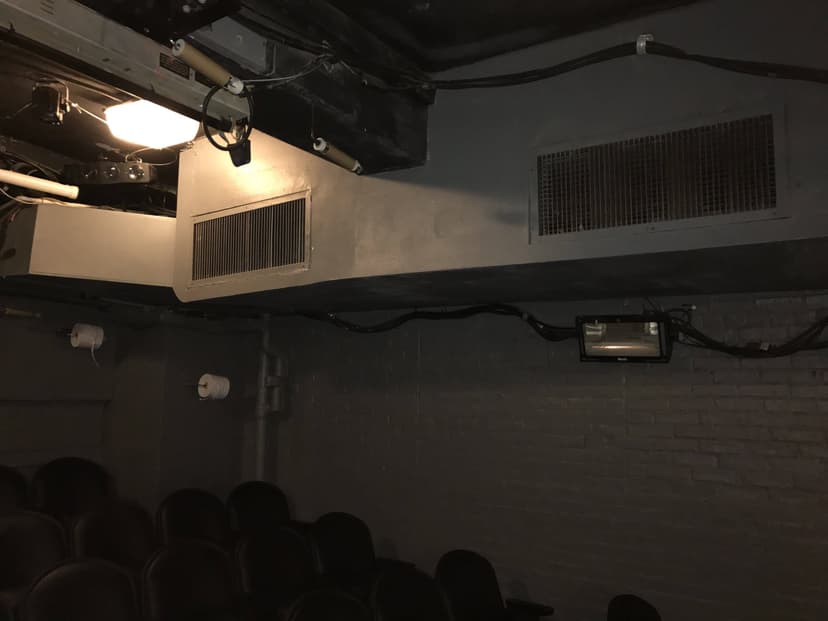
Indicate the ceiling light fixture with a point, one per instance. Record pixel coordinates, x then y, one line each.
145 123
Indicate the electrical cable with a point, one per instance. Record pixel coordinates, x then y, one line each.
682 329
400 80
686 333
535 75
83 110
309 68
248 127
546 331
128 157
761 69
641 47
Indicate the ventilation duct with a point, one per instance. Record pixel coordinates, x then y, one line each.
723 169
90 244
270 236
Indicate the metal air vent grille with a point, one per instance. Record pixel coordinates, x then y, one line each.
262 238
720 169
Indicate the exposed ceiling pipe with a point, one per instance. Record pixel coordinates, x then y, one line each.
262 400
37 184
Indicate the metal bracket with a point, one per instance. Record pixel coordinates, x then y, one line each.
641 44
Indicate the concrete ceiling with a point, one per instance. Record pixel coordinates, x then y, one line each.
438 34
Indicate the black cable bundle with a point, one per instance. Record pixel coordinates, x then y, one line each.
535 75
761 69
546 331
808 340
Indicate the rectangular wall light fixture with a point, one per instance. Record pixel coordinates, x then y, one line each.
625 338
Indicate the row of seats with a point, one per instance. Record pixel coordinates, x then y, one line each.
69 487
244 559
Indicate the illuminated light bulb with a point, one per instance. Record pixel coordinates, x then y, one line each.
150 125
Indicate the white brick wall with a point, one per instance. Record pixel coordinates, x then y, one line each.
700 484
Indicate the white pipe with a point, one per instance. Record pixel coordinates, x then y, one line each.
38 185
262 401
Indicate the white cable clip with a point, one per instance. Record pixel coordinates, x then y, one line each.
641 44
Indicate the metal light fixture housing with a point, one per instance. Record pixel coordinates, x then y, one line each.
625 338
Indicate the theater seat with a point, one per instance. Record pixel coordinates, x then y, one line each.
470 582
407 594
90 590
256 506
192 514
345 553
30 545
631 608
13 490
119 532
190 581
328 605
68 487
275 568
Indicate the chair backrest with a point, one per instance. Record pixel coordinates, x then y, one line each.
30 545
278 565
13 490
631 608
407 594
119 532
70 486
470 583
343 545
89 590
256 506
328 605
189 580
192 514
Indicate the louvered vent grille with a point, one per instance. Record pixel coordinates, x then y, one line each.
268 237
720 169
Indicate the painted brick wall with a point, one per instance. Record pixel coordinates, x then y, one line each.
700 484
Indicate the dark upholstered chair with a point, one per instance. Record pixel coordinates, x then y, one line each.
327 605
256 506
13 490
30 545
89 590
192 514
407 594
471 585
68 487
189 581
119 532
345 553
631 608
275 568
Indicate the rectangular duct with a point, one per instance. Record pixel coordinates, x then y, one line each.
715 170
89 244
271 235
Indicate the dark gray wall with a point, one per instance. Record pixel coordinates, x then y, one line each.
138 413
52 398
699 484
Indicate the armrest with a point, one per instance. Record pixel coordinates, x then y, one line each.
525 610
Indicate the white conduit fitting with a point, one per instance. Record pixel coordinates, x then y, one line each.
37 184
337 156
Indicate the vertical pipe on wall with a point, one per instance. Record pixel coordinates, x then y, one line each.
262 400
